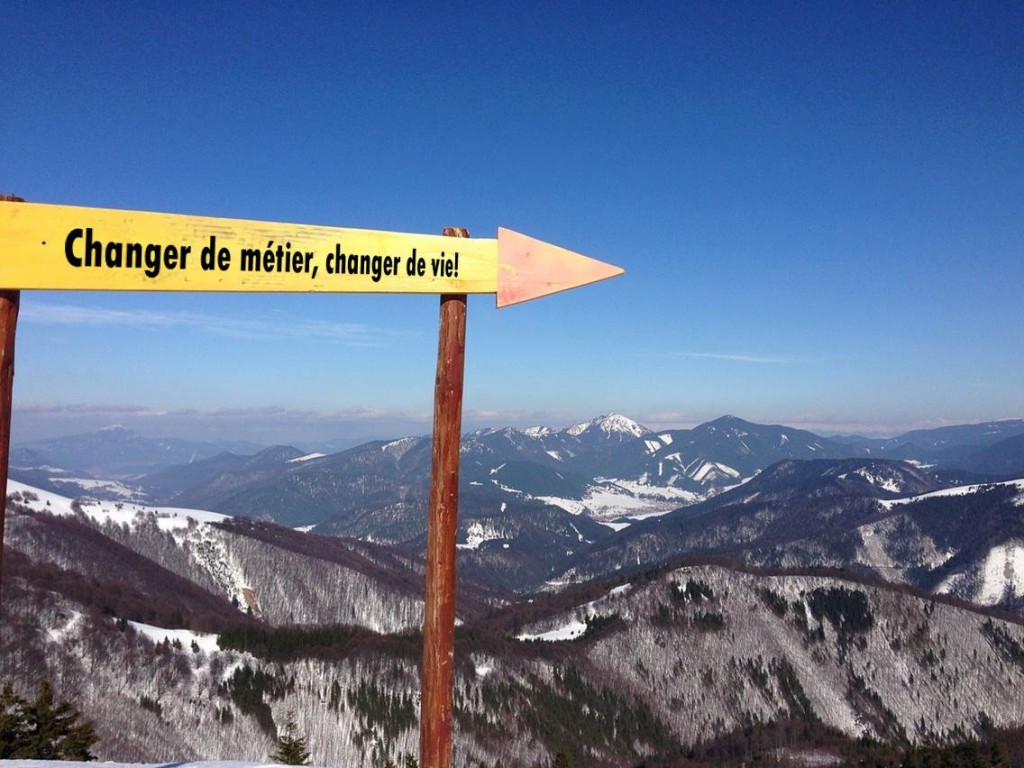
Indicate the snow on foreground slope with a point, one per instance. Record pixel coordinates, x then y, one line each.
168 518
867 659
696 651
576 626
279 584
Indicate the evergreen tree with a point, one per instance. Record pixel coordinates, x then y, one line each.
14 728
41 730
291 748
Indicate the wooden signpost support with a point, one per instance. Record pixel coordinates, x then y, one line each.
9 303
60 247
439 608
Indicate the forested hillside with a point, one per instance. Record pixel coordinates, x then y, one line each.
612 674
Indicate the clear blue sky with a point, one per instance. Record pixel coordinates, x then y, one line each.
819 207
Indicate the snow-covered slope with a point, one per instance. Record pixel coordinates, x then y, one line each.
117 512
281 576
970 539
855 655
612 425
642 669
962 490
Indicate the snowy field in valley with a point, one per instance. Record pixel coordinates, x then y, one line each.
168 518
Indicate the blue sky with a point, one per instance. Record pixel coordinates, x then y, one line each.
819 207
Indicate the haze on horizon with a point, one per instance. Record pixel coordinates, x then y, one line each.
315 430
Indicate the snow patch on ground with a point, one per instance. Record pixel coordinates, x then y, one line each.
615 500
961 490
206 643
1002 569
478 533
307 457
168 518
397 448
58 634
91 484
999 574
207 547
574 627
886 483
572 506
873 550
645 490
483 671
615 525
710 469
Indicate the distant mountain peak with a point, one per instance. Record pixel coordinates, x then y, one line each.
610 424
728 420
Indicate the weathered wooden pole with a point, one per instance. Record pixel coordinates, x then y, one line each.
9 302
439 611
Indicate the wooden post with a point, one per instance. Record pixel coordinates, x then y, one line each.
9 302
439 610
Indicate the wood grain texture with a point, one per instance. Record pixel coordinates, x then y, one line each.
439 611
9 303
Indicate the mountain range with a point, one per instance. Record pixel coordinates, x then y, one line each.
187 635
627 595
542 505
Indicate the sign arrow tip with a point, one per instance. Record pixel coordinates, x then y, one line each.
529 268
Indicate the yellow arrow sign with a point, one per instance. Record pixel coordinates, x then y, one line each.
60 247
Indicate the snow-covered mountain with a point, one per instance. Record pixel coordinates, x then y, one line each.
277 575
610 469
539 502
966 541
888 517
622 673
611 426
